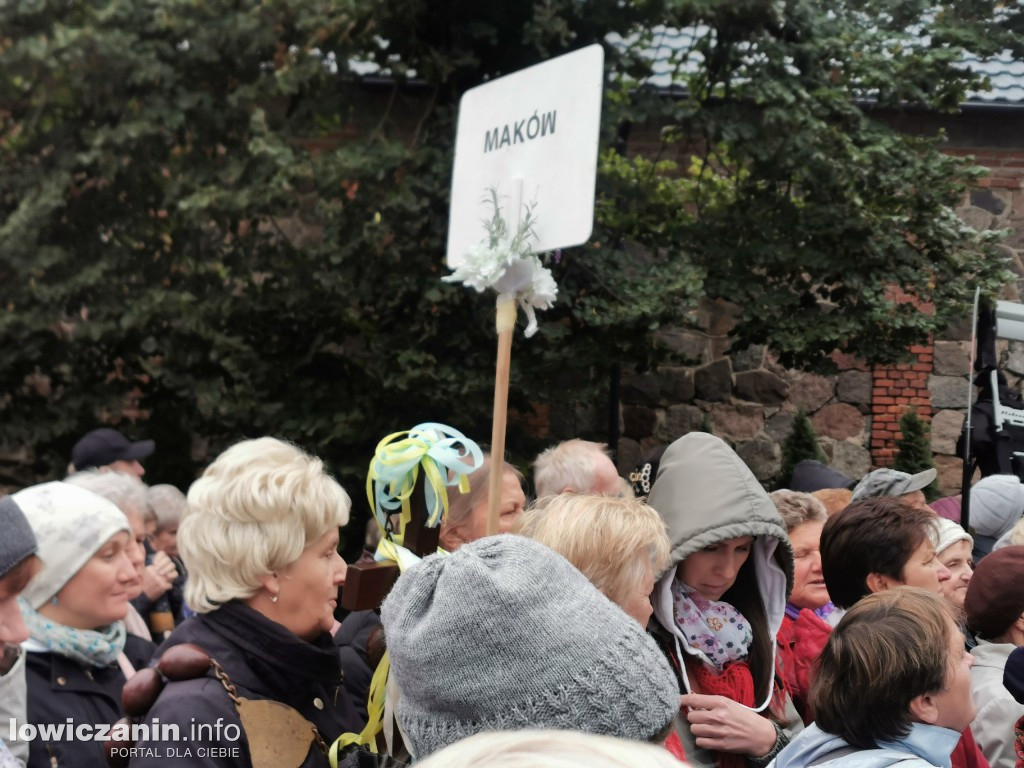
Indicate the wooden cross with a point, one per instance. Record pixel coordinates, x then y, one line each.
367 584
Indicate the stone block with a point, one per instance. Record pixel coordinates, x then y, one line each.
852 459
762 455
811 391
959 329
779 426
951 471
691 346
1015 358
945 429
952 358
976 218
713 382
948 391
737 421
669 384
761 387
678 421
854 387
991 200
846 362
717 316
627 455
639 421
749 359
840 421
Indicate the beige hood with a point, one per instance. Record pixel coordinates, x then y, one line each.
705 494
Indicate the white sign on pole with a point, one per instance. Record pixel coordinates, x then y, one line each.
539 127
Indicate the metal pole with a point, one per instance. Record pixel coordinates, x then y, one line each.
968 472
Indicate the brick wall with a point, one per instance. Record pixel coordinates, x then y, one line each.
894 389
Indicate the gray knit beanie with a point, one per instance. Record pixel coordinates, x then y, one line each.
16 538
504 634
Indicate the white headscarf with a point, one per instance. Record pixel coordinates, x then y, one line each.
71 524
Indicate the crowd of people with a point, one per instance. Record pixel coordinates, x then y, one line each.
685 616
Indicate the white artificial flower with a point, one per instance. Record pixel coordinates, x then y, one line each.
508 266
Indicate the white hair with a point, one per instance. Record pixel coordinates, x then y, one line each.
126 492
570 464
253 512
167 505
549 749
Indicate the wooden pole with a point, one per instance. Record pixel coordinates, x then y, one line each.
505 324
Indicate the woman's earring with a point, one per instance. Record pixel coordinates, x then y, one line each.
54 601
273 599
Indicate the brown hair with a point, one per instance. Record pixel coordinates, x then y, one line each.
745 596
875 535
834 499
18 577
890 648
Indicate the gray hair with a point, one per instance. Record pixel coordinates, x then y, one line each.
167 504
570 464
126 492
797 508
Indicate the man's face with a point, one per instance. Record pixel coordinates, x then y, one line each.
126 467
916 499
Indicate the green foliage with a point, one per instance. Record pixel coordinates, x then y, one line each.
212 227
801 444
914 450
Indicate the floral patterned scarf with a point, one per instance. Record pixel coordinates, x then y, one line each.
714 628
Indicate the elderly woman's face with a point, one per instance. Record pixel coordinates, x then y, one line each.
638 603
98 594
957 559
136 548
166 540
308 591
809 590
509 510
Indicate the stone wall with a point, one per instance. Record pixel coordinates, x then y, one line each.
749 400
746 398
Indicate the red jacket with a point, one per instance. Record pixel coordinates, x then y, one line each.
800 643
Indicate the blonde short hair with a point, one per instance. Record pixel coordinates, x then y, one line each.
609 539
126 492
253 511
797 508
570 464
549 749
166 504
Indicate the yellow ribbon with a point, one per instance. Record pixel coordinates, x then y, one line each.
444 455
375 707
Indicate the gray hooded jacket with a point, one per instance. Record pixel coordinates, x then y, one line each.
706 494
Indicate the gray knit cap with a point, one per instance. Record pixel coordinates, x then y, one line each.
504 634
16 538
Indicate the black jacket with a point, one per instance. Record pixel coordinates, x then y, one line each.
263 661
60 688
351 641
